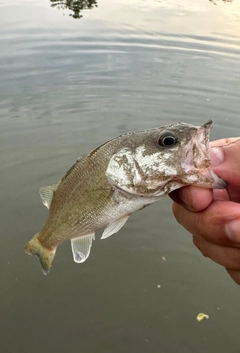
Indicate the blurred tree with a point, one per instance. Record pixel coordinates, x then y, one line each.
74 5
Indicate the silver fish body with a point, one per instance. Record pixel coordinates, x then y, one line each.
125 174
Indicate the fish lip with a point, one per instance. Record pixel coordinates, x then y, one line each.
197 151
197 159
219 183
208 125
202 178
213 180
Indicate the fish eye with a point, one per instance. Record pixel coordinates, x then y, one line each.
167 139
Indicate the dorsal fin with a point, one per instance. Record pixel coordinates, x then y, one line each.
81 247
46 193
114 227
72 168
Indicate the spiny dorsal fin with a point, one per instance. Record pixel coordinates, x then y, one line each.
81 247
114 227
46 193
72 168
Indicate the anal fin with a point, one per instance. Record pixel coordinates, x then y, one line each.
114 227
46 193
81 247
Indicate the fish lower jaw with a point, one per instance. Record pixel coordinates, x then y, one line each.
218 183
203 178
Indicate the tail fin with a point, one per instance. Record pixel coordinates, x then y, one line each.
45 256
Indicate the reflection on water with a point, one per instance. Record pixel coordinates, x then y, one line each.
74 5
215 1
79 5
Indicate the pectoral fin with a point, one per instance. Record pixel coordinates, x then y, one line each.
81 247
46 193
114 227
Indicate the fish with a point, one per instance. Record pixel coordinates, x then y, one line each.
121 176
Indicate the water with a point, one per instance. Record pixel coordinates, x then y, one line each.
67 85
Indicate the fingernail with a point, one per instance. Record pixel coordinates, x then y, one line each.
232 230
216 155
186 198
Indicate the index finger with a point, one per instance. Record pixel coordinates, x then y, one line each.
224 141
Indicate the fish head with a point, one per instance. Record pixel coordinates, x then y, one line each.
154 162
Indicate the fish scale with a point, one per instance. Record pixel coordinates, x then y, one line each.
118 178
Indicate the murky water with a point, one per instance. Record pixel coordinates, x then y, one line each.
70 80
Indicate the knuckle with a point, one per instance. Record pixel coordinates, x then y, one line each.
200 244
235 275
236 258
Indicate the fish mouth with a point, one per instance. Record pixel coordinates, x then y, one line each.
197 162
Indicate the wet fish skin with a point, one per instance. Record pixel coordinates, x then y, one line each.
123 175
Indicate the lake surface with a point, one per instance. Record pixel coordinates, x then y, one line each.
72 78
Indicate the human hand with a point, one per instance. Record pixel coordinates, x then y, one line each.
213 216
